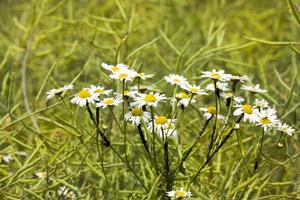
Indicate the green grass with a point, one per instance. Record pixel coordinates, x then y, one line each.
48 43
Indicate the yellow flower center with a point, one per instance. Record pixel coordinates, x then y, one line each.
265 120
161 120
109 101
212 110
126 92
123 75
99 91
69 195
180 194
193 90
149 98
84 94
115 68
137 112
215 75
228 94
183 95
247 109
176 81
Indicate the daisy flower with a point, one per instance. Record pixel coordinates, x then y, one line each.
216 75
114 68
176 79
229 95
130 93
286 129
51 93
223 86
179 193
110 101
6 158
99 90
144 76
184 99
261 103
239 78
210 112
267 118
66 193
41 175
254 89
150 99
85 96
125 74
194 89
163 126
248 111
136 115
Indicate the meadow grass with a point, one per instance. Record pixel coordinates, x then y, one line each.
46 44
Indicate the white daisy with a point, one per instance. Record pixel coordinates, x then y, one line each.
41 175
216 75
99 90
144 76
110 101
184 99
163 126
125 74
210 112
176 79
267 118
223 86
228 95
179 193
194 89
248 111
285 128
66 193
114 68
51 93
151 99
254 89
130 93
136 115
261 103
85 96
6 158
239 78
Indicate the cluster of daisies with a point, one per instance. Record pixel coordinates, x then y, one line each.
140 102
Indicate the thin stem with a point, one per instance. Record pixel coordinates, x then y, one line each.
217 149
259 151
143 139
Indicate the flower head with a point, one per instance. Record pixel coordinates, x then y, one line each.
216 75
229 95
51 93
211 111
248 111
109 102
194 89
285 128
144 76
150 99
98 90
176 79
163 126
261 103
179 193
223 86
254 89
136 115
267 118
184 99
114 68
124 75
66 193
6 158
85 96
239 78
